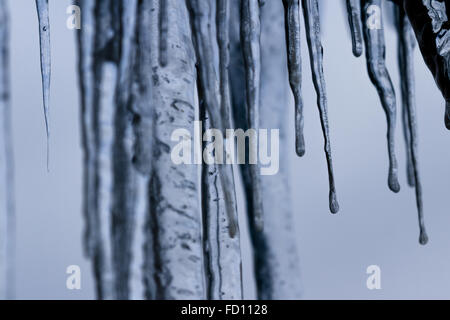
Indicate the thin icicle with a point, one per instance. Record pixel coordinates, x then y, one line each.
223 40
86 82
250 41
7 206
200 11
201 29
312 25
106 113
164 32
354 20
292 25
379 75
124 196
406 61
406 45
44 37
222 252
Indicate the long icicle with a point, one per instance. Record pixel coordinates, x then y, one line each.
7 211
406 45
222 252
354 20
174 250
312 25
85 39
379 75
124 196
201 24
406 61
250 40
44 37
106 77
292 25
275 258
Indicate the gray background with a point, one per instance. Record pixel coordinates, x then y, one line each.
374 225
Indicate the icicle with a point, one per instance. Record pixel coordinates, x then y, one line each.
354 19
164 32
86 83
201 22
292 23
223 22
406 45
106 115
44 37
7 209
276 259
174 267
106 75
124 195
222 252
312 25
250 39
376 66
406 62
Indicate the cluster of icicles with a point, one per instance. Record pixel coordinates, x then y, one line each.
148 67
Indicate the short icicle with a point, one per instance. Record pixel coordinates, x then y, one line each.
293 40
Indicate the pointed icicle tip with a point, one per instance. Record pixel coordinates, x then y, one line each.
423 238
334 204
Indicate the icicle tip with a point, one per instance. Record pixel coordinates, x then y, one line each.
393 183
423 238
334 204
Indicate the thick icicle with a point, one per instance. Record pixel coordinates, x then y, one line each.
222 252
124 180
200 11
250 41
174 267
275 255
354 20
44 37
292 25
312 25
7 208
378 73
406 61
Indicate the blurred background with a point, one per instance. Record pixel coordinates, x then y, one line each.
373 227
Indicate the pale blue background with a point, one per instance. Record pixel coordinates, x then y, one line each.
374 225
